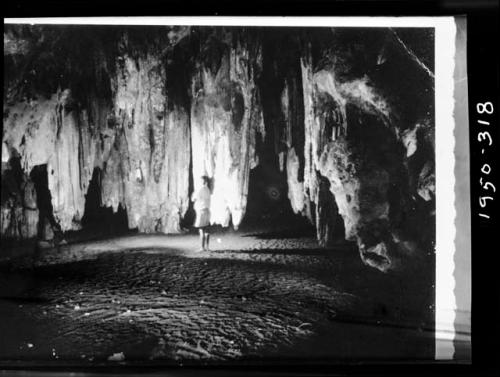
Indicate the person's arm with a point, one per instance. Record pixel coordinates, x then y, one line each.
194 196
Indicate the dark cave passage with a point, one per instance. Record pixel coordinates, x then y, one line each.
99 219
268 206
47 224
280 88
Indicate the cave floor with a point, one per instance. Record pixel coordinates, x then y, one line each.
254 297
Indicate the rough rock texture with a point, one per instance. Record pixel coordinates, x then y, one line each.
225 117
329 226
149 172
362 137
281 88
140 143
19 212
346 114
47 131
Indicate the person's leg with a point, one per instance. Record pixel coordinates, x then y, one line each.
207 239
202 238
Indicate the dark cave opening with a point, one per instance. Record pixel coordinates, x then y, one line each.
269 208
98 219
44 202
268 205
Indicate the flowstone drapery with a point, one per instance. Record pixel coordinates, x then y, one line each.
350 113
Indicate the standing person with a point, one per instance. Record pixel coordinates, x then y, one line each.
201 199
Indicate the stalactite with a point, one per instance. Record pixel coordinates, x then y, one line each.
68 197
335 157
224 149
59 133
295 186
155 143
338 117
311 126
355 137
51 136
290 143
176 166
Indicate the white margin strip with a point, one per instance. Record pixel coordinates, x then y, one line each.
445 188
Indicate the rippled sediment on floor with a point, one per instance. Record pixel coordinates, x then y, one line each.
155 305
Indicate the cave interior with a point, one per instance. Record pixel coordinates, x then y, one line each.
319 147
330 130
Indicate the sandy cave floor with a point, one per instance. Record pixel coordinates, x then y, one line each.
254 297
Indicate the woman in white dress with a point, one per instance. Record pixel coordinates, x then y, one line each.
201 199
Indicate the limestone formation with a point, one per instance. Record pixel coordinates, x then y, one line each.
348 115
225 118
148 173
360 137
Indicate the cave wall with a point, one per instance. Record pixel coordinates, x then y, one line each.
349 112
137 136
18 212
46 131
369 131
148 170
226 116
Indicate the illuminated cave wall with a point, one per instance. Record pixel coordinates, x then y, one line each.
104 102
350 112
226 116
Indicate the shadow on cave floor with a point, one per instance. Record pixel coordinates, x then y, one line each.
249 300
277 252
284 233
281 225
